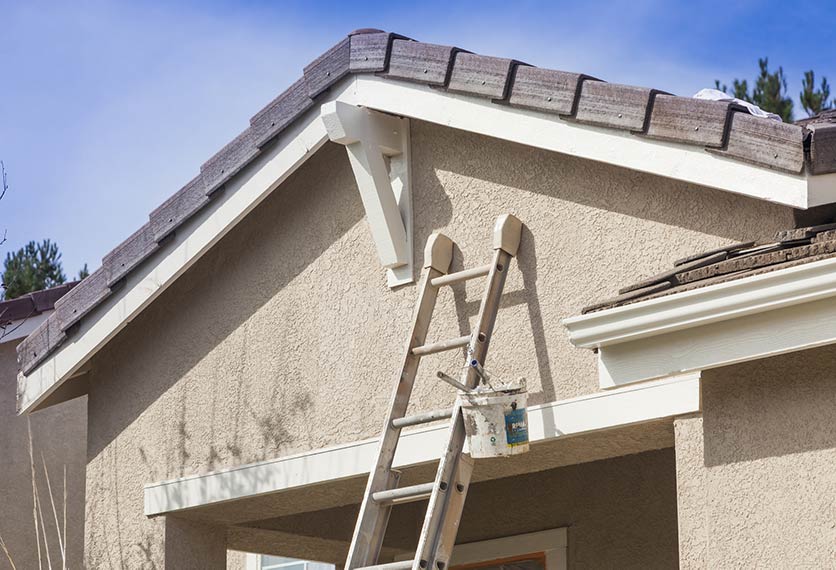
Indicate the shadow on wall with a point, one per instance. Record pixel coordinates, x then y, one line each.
770 408
526 263
608 188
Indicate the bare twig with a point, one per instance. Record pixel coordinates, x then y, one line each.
5 331
6 552
3 192
65 511
5 180
43 531
34 492
54 515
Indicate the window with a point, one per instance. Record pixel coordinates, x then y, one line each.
267 562
544 550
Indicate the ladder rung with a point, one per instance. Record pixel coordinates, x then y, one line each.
422 418
404 494
465 275
402 565
441 346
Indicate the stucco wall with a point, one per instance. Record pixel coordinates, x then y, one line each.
59 437
756 474
285 337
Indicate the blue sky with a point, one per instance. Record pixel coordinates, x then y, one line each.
107 108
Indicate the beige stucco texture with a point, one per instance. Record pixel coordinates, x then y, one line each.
756 474
59 439
284 337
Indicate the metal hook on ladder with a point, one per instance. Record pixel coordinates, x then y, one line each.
446 501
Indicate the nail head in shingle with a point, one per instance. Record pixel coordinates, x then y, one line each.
548 98
327 74
366 58
425 70
170 220
776 155
620 115
696 128
483 82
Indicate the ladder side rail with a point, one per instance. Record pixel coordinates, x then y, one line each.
372 520
437 512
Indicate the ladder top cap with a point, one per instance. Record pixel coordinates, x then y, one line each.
506 234
439 252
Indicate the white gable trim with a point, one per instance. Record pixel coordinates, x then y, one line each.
297 143
604 410
755 317
670 160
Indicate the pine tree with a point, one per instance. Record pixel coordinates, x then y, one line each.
33 267
814 100
769 93
83 273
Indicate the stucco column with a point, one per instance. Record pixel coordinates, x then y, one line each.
191 544
691 492
754 472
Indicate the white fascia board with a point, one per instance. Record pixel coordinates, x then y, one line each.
717 325
713 303
604 410
191 240
21 328
670 160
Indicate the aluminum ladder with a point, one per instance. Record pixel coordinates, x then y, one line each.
448 492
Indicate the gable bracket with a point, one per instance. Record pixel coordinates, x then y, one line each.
378 150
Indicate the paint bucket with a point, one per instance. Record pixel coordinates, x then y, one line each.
496 421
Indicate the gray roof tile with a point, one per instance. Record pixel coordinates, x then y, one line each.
420 62
33 303
370 50
178 208
688 120
128 254
765 142
283 110
823 148
70 308
792 247
480 75
328 68
546 89
228 161
39 344
614 106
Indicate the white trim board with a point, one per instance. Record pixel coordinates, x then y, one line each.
670 160
553 543
299 142
634 404
755 317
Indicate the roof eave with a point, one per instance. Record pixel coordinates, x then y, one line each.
746 319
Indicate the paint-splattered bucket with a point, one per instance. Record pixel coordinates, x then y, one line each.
496 421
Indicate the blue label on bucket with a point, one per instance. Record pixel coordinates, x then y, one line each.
516 430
